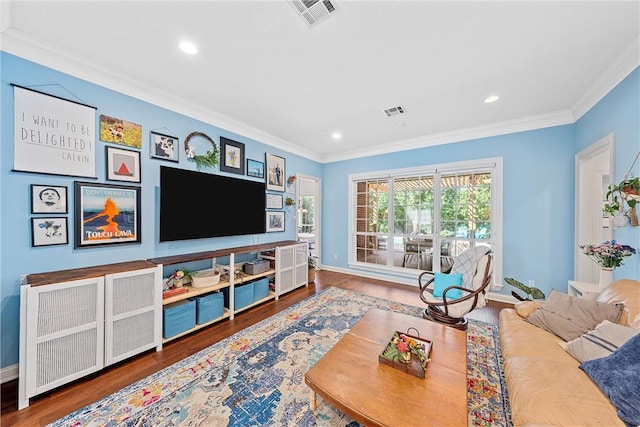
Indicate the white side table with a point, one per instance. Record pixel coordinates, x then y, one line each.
584 289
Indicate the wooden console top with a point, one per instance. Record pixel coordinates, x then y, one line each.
197 256
39 279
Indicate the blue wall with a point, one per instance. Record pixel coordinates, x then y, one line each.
18 257
618 112
538 198
538 188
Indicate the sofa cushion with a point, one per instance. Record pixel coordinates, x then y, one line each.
618 375
627 292
545 392
569 317
606 338
525 308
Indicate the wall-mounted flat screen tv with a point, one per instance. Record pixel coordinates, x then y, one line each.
197 205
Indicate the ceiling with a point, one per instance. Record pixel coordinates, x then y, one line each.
263 73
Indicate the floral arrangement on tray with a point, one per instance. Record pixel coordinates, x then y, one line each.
609 254
400 352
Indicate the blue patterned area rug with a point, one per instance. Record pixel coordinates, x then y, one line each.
256 376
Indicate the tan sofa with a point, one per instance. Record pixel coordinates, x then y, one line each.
545 384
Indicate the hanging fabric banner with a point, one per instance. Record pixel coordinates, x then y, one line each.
53 135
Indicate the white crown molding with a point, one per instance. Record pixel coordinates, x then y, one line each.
5 16
628 61
14 42
493 129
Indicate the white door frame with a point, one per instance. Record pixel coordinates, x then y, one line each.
317 187
594 172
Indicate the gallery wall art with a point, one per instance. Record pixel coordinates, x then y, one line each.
120 131
106 214
53 135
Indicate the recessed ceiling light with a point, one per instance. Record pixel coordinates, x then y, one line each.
336 136
188 47
492 98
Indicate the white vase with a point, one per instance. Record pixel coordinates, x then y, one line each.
606 277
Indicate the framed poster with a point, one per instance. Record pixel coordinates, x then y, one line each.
53 135
255 168
49 231
106 214
123 165
164 147
275 221
274 201
275 169
231 156
48 199
120 132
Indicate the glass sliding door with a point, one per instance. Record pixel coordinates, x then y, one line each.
372 221
405 221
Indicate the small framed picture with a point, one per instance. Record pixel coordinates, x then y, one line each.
120 131
106 214
48 199
49 231
275 221
231 156
164 147
123 165
274 201
276 172
255 168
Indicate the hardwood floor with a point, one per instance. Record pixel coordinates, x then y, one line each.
52 405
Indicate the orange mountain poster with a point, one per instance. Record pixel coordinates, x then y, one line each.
108 214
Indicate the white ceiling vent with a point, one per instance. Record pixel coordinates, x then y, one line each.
394 111
314 11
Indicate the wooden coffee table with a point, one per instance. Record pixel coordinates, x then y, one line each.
350 378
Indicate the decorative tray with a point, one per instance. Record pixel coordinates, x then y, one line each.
407 353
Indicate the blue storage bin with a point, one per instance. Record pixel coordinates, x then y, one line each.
178 317
260 289
208 307
242 293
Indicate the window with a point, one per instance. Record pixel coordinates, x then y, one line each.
306 213
404 219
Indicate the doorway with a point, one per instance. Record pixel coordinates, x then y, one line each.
308 212
594 173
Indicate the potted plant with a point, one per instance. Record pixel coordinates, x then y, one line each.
313 265
180 277
531 292
626 191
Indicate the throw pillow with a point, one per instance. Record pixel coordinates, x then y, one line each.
618 376
443 281
601 342
569 317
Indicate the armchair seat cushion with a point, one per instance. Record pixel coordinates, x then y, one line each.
458 309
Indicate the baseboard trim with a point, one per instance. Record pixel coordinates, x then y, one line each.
9 373
501 298
494 296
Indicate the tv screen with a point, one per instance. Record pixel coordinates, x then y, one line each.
196 205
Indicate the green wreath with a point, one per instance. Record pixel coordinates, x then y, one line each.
208 160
